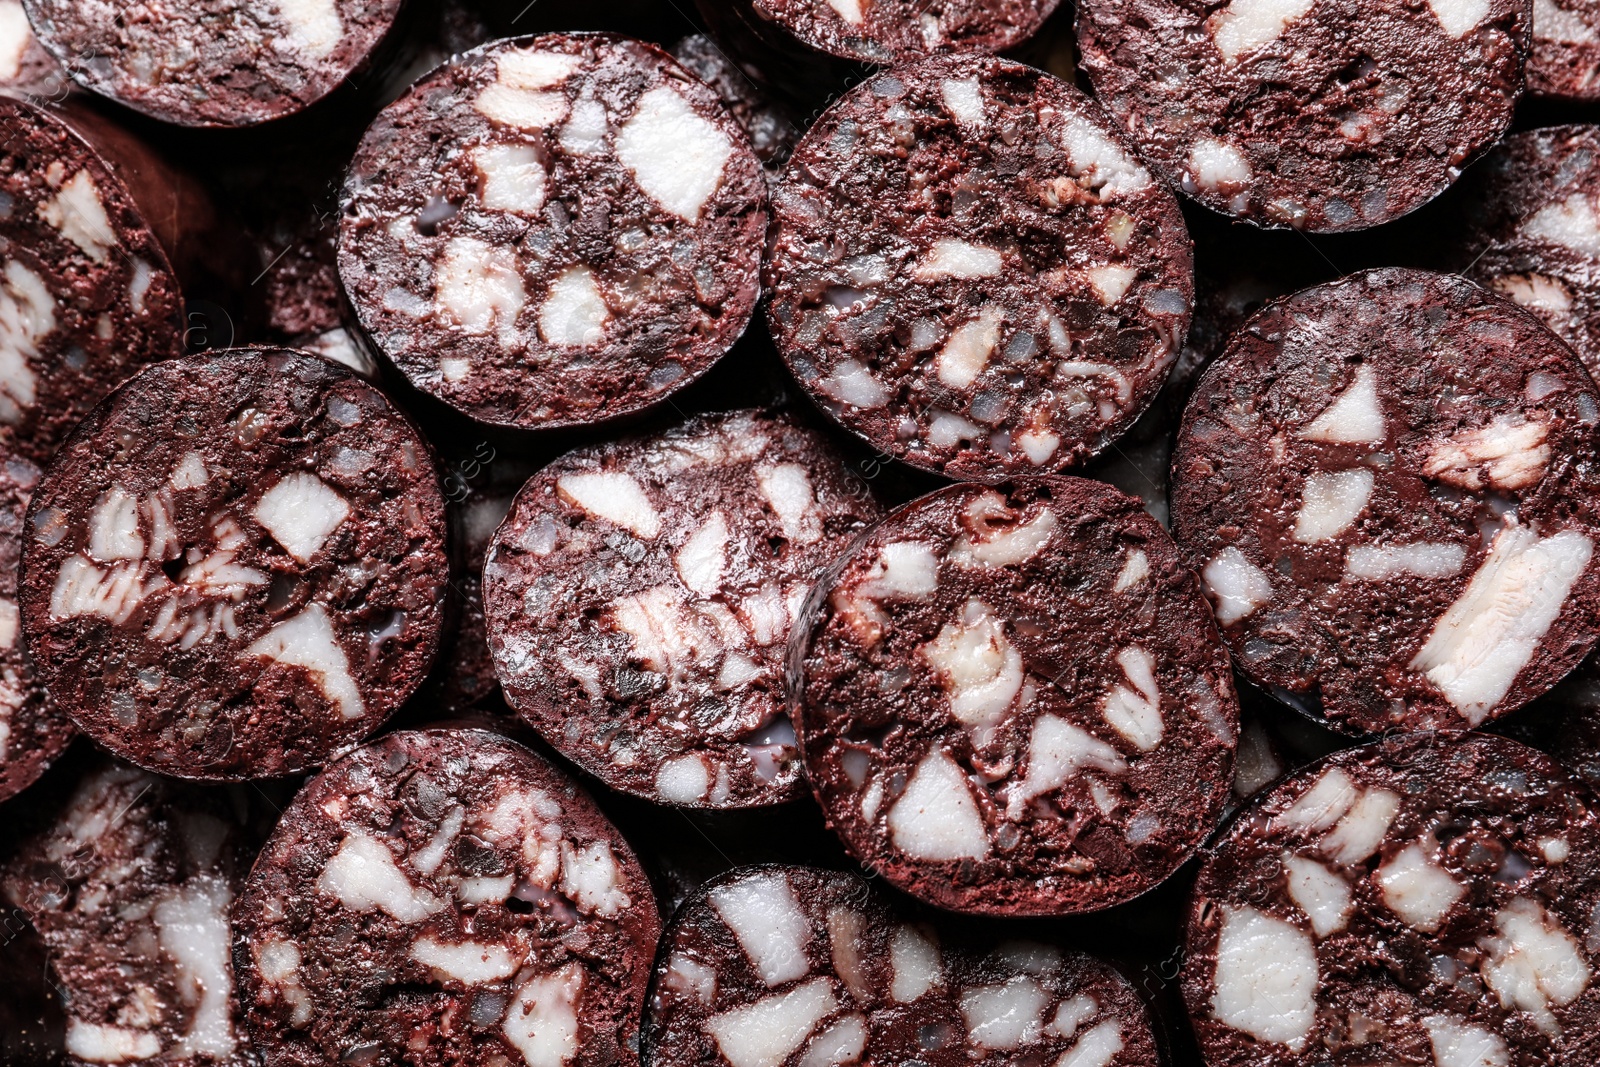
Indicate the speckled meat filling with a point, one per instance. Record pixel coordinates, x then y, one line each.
1320 116
781 966
640 596
235 565
554 231
1388 486
970 270
884 31
1014 700
1565 60
86 292
1417 901
445 897
212 62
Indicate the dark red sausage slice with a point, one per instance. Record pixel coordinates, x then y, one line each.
235 565
1565 60
1013 700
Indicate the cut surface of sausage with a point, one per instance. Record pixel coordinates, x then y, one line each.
1014 701
888 31
235 565
640 596
212 62
1314 116
1387 484
1532 233
129 884
973 272
787 966
445 897
1417 901
86 293
1564 62
554 231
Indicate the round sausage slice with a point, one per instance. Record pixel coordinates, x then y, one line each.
785 966
1564 63
639 598
1415 901
235 565
129 881
1388 486
1532 233
1014 701
554 231
445 897
971 270
1321 117
213 62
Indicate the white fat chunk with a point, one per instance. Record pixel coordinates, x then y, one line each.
946 429
967 352
1554 849
478 287
1073 1013
704 555
667 638
953 258
1237 586
766 1033
428 858
1214 164
309 642
10 621
1457 1043
936 818
907 569
301 512
1319 892
1266 977
682 781
114 527
513 178
589 879
1331 503
841 1043
542 1022
532 68
314 25
1537 291
1418 890
467 962
484 889
1004 1016
1558 24
363 876
1458 17
98 1043
1361 830
1425 559
84 589
1354 418
574 313
15 35
1570 224
1096 155
27 315
1111 283
1005 546
81 217
526 109
190 473
980 670
914 965
1533 962
1324 804
1134 710
192 928
764 915
675 155
1246 25
1135 569
1096 1048
585 132
1511 452
736 670
787 487
1038 446
846 938
687 975
615 497
1058 751
853 384
1484 639
963 98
